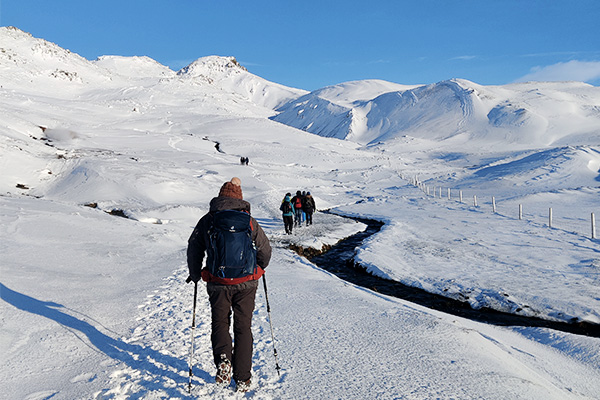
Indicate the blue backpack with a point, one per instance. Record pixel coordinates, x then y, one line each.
232 253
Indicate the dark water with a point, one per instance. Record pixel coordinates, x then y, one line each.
339 260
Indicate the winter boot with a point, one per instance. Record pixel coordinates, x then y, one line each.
242 386
223 371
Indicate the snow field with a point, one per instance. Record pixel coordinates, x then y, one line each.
94 306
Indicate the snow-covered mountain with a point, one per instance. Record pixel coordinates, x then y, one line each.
529 115
29 62
93 305
39 64
228 74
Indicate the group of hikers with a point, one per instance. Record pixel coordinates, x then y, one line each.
244 160
296 210
229 251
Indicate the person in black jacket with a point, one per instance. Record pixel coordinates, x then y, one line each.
227 295
287 212
309 207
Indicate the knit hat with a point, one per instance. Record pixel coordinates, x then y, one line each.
230 189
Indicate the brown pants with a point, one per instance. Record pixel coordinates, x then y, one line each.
240 299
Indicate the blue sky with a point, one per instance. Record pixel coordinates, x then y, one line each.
310 44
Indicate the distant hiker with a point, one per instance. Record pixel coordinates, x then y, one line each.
242 160
237 252
309 207
303 212
247 160
297 204
288 213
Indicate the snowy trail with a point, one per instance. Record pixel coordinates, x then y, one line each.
411 339
158 366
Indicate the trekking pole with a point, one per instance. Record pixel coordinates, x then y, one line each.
193 329
277 367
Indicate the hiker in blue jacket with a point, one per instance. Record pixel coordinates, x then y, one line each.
287 211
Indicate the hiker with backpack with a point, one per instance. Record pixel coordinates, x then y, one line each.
237 252
309 207
297 204
287 211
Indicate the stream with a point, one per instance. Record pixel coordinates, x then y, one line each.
340 260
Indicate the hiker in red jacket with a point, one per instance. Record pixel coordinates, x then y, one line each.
297 204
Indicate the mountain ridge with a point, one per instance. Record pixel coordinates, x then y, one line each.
450 112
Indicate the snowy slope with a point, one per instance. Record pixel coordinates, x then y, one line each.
134 67
95 306
38 64
334 111
455 111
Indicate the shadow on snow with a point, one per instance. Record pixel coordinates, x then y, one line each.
159 371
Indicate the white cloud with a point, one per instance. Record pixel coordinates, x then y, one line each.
250 64
380 61
581 71
463 58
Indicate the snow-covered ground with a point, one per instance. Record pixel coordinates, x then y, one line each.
96 306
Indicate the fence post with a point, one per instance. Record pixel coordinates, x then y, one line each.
448 193
520 211
460 195
550 217
494 204
427 190
475 200
593 226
